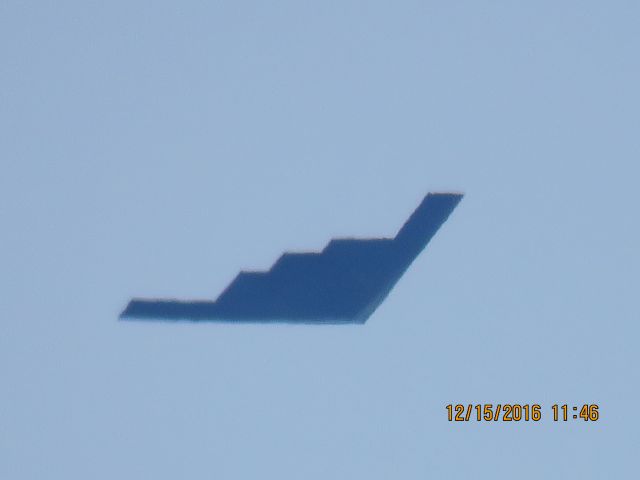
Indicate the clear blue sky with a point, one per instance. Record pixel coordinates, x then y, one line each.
157 148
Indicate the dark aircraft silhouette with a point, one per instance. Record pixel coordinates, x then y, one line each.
344 283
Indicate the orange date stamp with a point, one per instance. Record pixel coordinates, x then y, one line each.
516 412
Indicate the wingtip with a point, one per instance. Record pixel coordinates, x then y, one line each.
452 193
125 313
